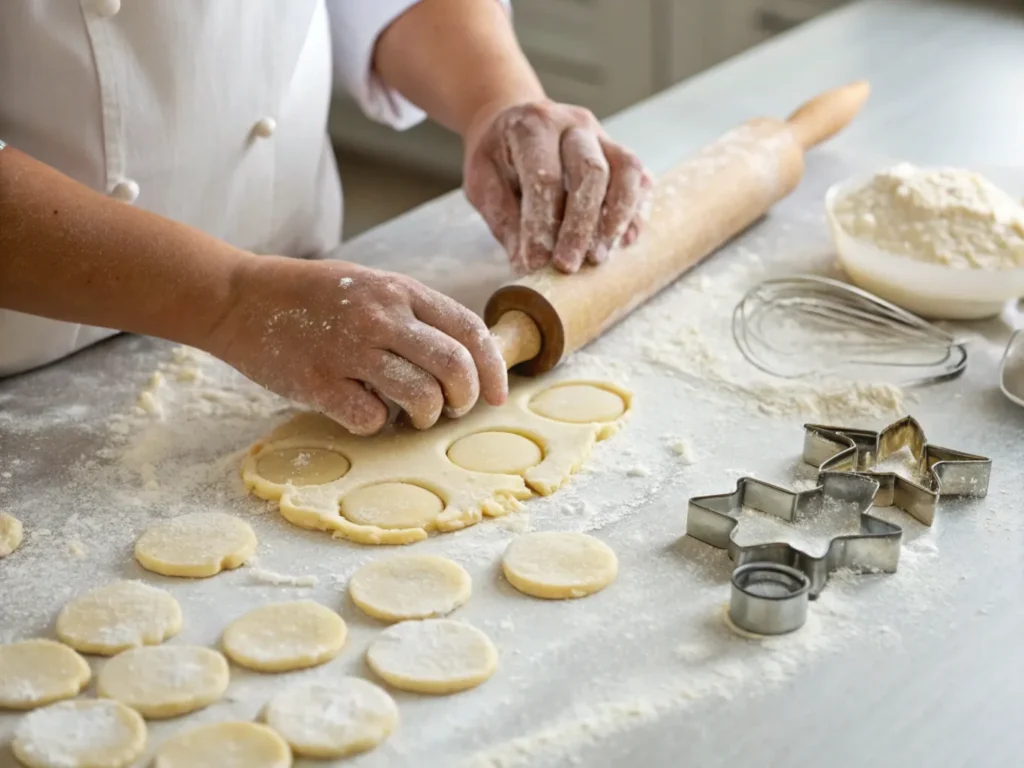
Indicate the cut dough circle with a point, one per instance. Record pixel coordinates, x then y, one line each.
118 616
433 656
37 672
88 733
392 505
302 466
196 545
224 745
503 453
280 637
559 564
579 404
11 533
332 719
165 681
410 587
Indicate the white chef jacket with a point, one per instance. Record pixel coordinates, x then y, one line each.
209 112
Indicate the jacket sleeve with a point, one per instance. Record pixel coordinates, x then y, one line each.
355 27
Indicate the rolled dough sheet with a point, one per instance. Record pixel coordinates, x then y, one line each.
404 483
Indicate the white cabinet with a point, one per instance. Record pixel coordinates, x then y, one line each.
602 54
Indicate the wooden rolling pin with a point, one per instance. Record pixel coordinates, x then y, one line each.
697 207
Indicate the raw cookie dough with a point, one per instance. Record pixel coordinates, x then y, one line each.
280 637
36 672
302 466
117 616
432 656
224 745
197 545
87 733
496 452
580 403
10 534
165 681
392 505
332 719
398 479
559 564
410 587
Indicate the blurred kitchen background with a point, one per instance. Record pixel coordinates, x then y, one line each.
602 54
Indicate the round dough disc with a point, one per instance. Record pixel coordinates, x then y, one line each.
302 466
88 733
559 564
197 545
432 656
332 719
224 745
11 532
504 453
117 616
35 672
392 505
410 587
280 637
578 404
165 681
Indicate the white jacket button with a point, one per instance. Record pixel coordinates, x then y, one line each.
126 191
106 7
265 127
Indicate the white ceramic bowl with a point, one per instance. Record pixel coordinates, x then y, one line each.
929 290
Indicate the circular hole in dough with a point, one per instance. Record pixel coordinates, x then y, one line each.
503 453
88 733
302 466
559 564
165 681
224 745
432 656
578 404
332 719
36 672
410 587
197 545
118 616
280 637
392 505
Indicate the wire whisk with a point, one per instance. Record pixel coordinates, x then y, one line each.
805 325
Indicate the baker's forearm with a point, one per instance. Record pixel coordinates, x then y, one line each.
70 253
456 59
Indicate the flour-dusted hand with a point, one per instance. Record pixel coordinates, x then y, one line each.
334 335
552 186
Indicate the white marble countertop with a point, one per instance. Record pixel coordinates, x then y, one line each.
923 667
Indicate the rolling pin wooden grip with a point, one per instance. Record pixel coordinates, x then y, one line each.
697 207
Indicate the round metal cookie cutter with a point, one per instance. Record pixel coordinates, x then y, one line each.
769 598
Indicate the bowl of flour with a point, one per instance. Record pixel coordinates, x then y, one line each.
944 243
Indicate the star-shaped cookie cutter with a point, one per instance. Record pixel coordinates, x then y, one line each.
933 471
774 581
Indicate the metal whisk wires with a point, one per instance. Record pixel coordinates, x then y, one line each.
805 325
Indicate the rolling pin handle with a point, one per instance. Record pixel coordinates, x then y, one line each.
828 113
519 339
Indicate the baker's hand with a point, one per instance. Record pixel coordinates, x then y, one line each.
552 186
332 335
